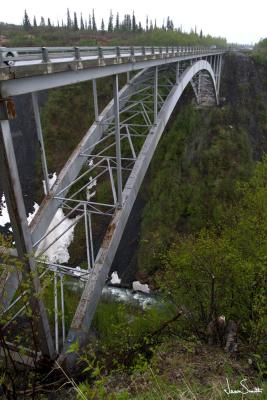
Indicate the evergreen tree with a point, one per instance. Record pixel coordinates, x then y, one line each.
151 25
69 22
110 22
128 23
94 27
201 34
117 26
155 24
90 28
75 22
26 21
82 23
169 24
34 22
134 26
147 23
49 23
102 26
42 22
140 29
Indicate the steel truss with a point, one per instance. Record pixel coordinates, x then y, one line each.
114 154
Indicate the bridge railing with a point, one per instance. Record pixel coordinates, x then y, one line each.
32 55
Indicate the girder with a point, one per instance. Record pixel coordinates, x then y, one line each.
116 152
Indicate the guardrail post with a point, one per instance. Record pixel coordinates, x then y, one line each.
77 53
100 53
132 52
153 50
45 56
143 51
1 57
118 52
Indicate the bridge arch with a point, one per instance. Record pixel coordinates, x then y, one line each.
92 292
140 111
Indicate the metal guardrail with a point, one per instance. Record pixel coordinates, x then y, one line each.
34 55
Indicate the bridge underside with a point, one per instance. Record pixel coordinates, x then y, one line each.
99 185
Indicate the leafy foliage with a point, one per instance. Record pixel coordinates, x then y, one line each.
235 256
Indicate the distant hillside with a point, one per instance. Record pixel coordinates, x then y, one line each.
15 36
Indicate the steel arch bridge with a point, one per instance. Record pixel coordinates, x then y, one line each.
114 153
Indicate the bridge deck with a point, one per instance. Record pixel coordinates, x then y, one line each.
19 67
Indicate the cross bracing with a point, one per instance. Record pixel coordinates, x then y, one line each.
98 184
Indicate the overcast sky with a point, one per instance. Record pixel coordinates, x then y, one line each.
239 21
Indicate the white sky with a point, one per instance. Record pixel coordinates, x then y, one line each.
239 21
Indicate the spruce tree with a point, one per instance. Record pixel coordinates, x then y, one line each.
90 28
26 21
69 23
42 22
75 22
94 27
110 22
147 23
117 26
82 23
34 22
102 26
134 26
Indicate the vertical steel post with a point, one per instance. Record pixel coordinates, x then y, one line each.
40 139
91 240
56 312
177 72
87 237
199 88
220 72
95 99
155 94
118 138
62 309
17 213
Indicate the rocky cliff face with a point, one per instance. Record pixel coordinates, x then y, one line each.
244 91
